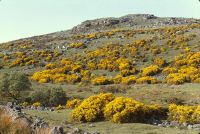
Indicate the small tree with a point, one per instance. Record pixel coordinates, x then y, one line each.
49 97
41 96
57 97
13 84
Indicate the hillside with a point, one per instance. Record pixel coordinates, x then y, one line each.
142 47
151 65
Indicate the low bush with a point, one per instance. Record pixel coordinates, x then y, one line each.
182 113
169 70
73 103
102 80
91 109
49 97
150 70
159 62
36 104
147 80
60 107
122 110
116 109
128 80
176 78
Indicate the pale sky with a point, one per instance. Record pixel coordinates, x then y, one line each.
25 18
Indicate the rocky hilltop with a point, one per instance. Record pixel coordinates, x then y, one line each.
132 21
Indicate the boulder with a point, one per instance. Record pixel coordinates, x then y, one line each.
57 130
9 105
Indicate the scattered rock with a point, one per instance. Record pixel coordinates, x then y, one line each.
41 108
10 104
174 124
51 109
95 133
160 125
91 125
196 126
134 21
185 124
77 130
17 108
57 130
190 126
39 123
86 133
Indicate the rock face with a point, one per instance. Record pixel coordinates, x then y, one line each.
16 113
130 21
39 123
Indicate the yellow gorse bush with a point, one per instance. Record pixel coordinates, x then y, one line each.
169 70
102 80
73 103
146 79
60 107
150 70
124 110
77 45
159 62
91 109
116 109
36 104
128 80
180 113
176 78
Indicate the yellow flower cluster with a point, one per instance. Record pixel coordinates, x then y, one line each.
50 66
102 80
91 109
146 79
159 62
24 104
176 78
123 109
23 61
119 109
77 45
127 72
180 113
169 70
186 69
128 80
60 107
73 103
36 104
67 72
185 74
150 70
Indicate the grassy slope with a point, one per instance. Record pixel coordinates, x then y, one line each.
158 93
189 93
106 127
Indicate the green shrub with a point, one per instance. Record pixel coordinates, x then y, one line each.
12 85
49 97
